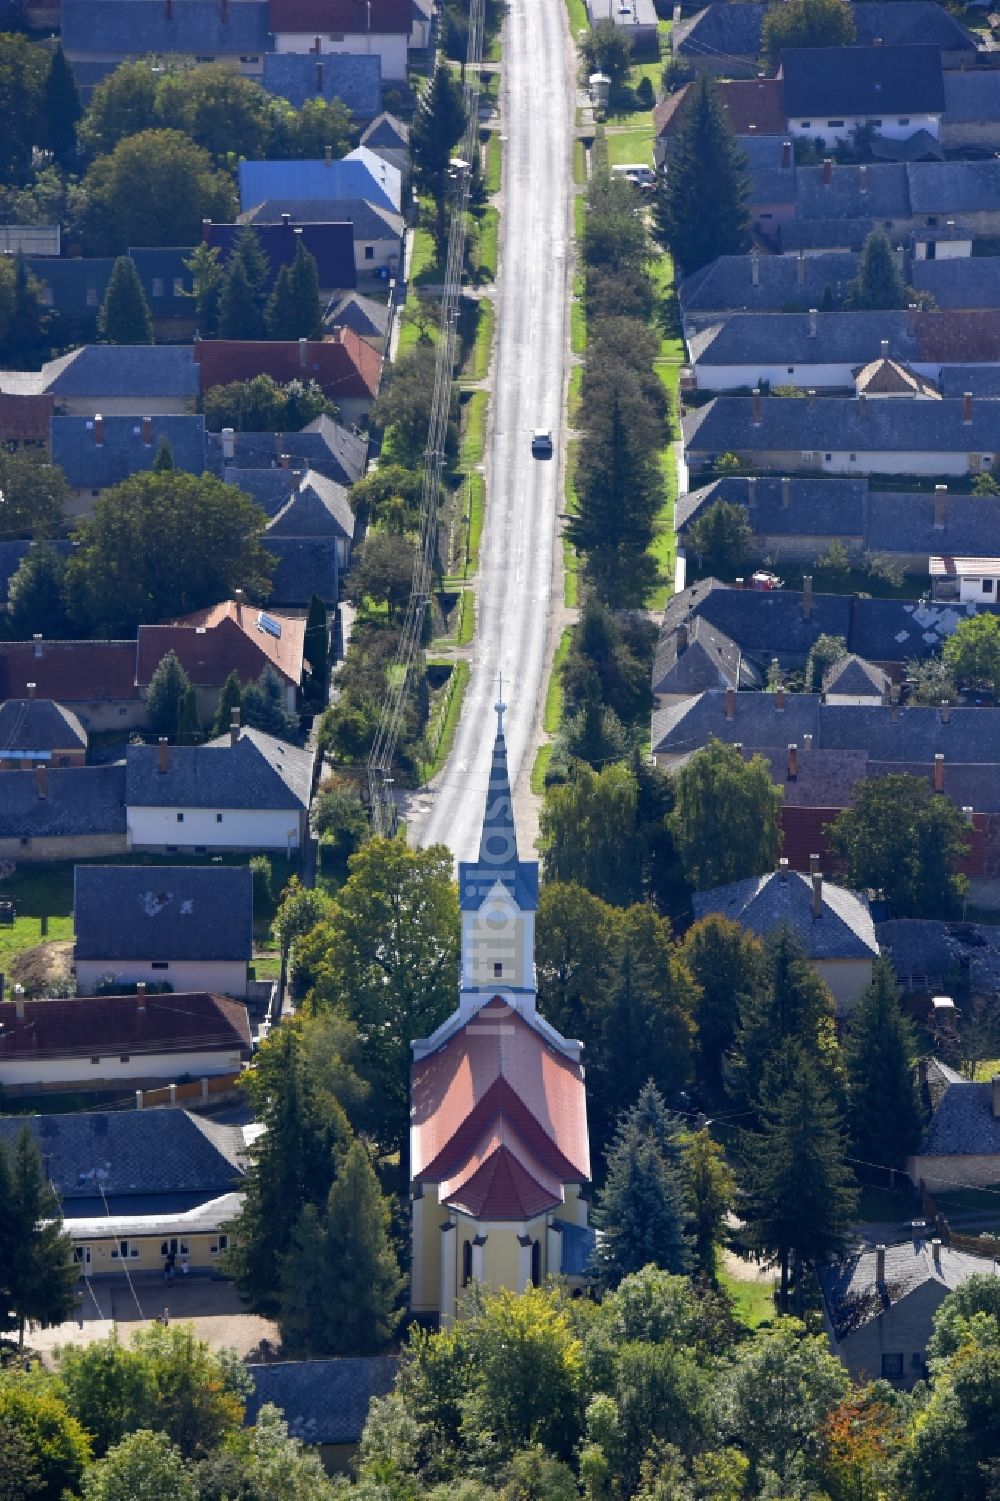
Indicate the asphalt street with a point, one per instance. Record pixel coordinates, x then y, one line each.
523 493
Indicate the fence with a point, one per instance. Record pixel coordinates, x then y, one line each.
196 1092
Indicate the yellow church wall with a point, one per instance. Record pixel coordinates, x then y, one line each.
425 1272
499 942
575 1208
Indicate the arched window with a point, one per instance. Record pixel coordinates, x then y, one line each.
466 1262
536 1263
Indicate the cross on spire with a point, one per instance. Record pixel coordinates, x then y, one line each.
500 706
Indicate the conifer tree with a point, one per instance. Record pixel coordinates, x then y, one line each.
437 127
167 687
36 1267
35 595
163 462
206 284
61 108
188 723
316 644
878 283
642 1209
341 1278
700 210
883 1102
799 1195
25 323
292 310
241 293
124 317
230 698
620 490
264 706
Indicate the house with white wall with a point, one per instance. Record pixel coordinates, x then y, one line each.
360 28
973 580
829 93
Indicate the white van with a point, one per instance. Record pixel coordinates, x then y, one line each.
644 177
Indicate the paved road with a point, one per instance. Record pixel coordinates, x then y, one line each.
516 557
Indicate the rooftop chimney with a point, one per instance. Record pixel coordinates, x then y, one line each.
811 400
754 267
38 644
317 45
807 596
756 408
940 504
285 460
303 353
786 492
234 727
880 1266
682 639
286 220
861 404
752 491
140 993
98 430
936 1252
786 154
793 762
730 704
327 150
779 699
918 1227
828 169
163 764
813 322
238 598
995 1094
967 406
42 780
885 348
800 269
911 317
737 583
863 178
783 868
32 688
938 771
945 711
19 1002
813 865
147 431
206 225
228 444
817 885
807 742
319 76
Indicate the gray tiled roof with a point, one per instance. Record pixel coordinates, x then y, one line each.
303 566
963 1125
931 953
770 622
970 96
919 147
79 801
900 22
386 131
862 80
954 187
132 1152
816 507
902 425
840 338
899 522
724 28
270 488
894 630
88 465
370 220
879 191
259 772
355 80
770 182
124 370
710 660
201 912
783 280
147 26
364 315
323 1401
38 724
827 236
852 1294
319 508
981 380
764 903
853 675
323 445
969 281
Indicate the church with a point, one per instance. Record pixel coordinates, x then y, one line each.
499 1149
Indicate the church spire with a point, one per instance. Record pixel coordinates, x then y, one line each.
498 842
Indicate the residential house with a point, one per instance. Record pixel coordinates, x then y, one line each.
926 957
422 25
136 1187
100 34
168 285
360 174
368 319
833 925
900 196
331 245
188 925
36 730
979 380
723 38
971 110
845 435
852 680
380 29
73 289
116 379
30 239
389 138
244 791
753 107
635 19
324 446
95 680
301 77
961 1145
304 567
961 282
228 637
97 452
310 538
879 1305
110 1041
830 93
499 1149
346 368
825 237
973 580
324 1402
771 181
62 813
378 231
696 656
767 284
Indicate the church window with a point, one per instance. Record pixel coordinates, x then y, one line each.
536 1263
466 1262
497 970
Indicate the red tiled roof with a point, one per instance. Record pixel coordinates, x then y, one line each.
212 643
502 1179
72 672
386 16
753 107
955 336
342 366
25 419
114 1023
497 1069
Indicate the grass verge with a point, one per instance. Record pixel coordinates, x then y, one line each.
478 363
424 265
486 247
552 717
473 443
578 19
493 165
579 164
444 721
540 768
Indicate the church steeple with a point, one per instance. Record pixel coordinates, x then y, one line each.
498 841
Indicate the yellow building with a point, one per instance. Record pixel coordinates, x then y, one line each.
499 1149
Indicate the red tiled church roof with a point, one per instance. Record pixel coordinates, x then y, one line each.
502 1179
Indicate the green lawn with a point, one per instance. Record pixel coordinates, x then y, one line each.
486 245
466 618
579 164
578 19
473 443
752 1301
477 364
424 265
444 721
493 162
632 145
552 717
575 389
538 771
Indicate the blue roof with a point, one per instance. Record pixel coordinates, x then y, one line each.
122 452
311 179
123 370
143 26
145 912
323 1401
303 566
356 81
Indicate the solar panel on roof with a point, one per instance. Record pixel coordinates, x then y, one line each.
268 624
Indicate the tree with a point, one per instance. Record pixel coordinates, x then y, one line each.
167 690
162 545
437 126
23 70
806 23
388 956
615 236
20 312
620 491
163 460
122 104
901 839
382 572
206 284
984 484
699 227
228 115
33 494
585 828
56 1447
607 48
293 310
970 1314
721 537
726 819
240 310
261 405
642 1210
726 962
145 1466
341 1278
710 1189
953 1445
884 1115
124 317
300 909
155 188
35 595
316 647
189 731
340 819
230 699
931 683
36 1268
261 1463
263 706
61 108
878 283
972 652
20 1477
799 1194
